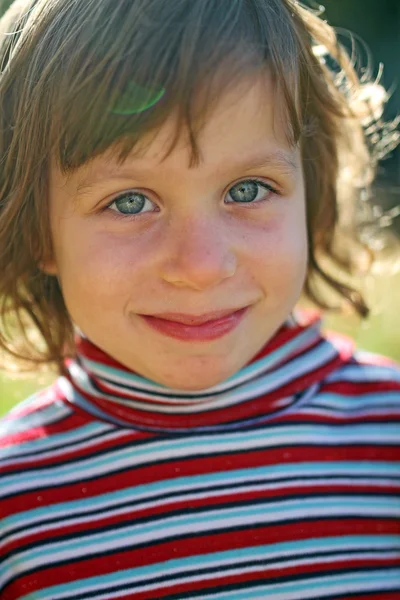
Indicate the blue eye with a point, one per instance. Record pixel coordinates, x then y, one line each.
131 203
250 190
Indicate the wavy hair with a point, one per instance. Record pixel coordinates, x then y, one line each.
64 63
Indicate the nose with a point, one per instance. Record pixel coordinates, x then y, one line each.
199 254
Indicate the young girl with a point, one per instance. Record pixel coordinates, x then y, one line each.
173 175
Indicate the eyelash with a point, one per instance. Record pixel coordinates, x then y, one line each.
267 187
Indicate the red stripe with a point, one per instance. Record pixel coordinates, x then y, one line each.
367 596
181 467
354 388
384 416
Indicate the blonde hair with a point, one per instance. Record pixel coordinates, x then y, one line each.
64 63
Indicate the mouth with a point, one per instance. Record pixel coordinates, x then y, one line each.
205 327
186 319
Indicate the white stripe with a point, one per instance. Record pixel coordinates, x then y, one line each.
355 413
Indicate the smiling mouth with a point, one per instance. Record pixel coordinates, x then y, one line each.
193 320
206 327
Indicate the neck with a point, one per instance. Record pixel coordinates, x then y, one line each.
283 373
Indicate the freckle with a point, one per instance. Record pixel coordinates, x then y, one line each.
84 490
39 498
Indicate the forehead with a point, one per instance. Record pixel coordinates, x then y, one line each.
245 124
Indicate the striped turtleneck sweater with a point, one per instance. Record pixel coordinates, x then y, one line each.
281 482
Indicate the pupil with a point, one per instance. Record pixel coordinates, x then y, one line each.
131 203
245 191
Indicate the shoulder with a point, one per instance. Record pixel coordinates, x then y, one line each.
38 409
36 425
38 439
366 368
360 366
366 387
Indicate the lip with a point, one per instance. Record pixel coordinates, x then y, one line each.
186 319
206 327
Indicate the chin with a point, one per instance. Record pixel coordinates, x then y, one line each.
195 383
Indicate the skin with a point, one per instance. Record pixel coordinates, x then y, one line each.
192 249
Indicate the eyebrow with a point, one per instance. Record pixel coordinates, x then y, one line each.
281 160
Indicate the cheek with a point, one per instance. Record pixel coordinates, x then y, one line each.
96 270
280 251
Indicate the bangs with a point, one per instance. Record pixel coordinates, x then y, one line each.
106 73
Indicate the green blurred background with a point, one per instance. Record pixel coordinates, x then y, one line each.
378 24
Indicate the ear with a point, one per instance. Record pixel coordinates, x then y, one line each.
48 266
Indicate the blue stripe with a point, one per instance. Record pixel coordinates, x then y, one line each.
366 373
129 378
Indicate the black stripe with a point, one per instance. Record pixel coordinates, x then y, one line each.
380 405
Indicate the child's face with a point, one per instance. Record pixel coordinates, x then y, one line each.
195 242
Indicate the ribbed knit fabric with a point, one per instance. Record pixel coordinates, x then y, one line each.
282 482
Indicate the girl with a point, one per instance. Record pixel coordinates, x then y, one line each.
174 174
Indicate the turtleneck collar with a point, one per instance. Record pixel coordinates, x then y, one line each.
285 372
